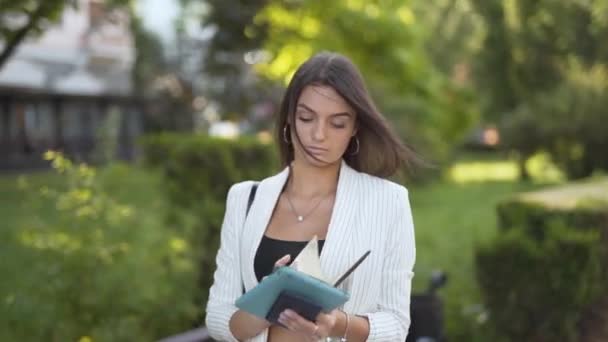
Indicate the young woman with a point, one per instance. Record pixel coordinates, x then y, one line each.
337 150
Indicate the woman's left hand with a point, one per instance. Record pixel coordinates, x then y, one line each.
313 331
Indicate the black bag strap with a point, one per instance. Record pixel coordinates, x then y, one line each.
252 192
254 189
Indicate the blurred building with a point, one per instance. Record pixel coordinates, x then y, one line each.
59 89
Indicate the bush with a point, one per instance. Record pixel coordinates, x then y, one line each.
536 218
548 266
94 269
537 290
568 121
197 173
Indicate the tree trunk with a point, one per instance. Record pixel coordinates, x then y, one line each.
524 176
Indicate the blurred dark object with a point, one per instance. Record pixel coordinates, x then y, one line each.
594 323
483 139
426 312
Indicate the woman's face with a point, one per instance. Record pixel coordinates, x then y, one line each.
325 124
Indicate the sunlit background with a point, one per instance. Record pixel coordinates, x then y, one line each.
124 122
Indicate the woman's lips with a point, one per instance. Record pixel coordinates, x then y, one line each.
316 150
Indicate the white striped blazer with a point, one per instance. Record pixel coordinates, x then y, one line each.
369 213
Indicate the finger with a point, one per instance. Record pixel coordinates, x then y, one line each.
287 323
300 323
283 261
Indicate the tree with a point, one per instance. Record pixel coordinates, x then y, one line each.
529 51
149 60
451 32
22 18
167 97
386 41
226 62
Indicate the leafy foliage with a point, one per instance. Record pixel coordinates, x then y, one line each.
538 290
548 266
20 19
149 61
228 80
568 121
385 40
452 33
542 68
197 173
528 43
96 269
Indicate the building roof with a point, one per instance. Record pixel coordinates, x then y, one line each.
22 74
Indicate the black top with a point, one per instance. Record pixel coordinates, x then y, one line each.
271 250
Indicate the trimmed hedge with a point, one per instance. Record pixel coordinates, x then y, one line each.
197 174
548 266
578 205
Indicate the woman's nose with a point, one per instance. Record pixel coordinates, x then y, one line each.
319 133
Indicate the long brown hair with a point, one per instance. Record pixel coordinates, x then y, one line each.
380 152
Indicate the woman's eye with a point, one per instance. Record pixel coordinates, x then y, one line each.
338 124
305 119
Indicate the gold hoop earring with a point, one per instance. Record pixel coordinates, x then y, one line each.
285 134
357 149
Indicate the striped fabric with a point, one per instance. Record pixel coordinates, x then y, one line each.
369 213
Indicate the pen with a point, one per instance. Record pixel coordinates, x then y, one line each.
352 268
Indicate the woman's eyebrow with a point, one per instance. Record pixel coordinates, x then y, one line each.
313 111
306 107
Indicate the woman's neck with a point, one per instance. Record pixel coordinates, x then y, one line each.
307 181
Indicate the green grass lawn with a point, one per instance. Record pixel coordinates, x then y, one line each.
450 216
450 219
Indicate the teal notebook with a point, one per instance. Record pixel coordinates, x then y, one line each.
302 292
259 300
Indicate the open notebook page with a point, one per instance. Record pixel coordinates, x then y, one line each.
308 262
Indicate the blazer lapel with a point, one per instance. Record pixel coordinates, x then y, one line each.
337 253
266 198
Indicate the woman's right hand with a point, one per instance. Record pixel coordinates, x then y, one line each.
282 262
